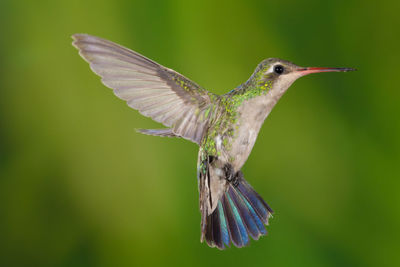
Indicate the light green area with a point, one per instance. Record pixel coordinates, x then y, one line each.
224 117
79 187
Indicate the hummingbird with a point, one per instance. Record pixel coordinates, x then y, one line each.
225 128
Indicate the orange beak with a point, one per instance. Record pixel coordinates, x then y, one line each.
305 71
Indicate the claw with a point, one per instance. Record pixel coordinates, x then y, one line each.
231 177
236 179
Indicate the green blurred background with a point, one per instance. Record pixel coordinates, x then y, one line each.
78 186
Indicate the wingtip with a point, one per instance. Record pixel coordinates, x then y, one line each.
77 37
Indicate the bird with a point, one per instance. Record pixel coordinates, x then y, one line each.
225 127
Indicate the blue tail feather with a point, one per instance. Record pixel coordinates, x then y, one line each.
232 223
259 205
257 220
240 213
252 222
242 230
224 226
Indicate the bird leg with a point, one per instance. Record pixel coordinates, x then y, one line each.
229 172
238 178
231 176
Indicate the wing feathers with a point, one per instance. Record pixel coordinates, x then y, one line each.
158 132
155 91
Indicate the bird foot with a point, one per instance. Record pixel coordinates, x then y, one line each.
231 176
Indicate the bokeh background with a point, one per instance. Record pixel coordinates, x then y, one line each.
78 186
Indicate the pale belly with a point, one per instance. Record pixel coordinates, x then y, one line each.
242 144
237 147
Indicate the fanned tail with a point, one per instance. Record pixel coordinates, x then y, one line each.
240 213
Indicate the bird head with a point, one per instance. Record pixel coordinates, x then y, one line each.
282 73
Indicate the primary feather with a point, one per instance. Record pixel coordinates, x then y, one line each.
154 90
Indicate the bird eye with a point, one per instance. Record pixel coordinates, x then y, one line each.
279 69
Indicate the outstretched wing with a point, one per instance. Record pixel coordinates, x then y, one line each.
154 90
